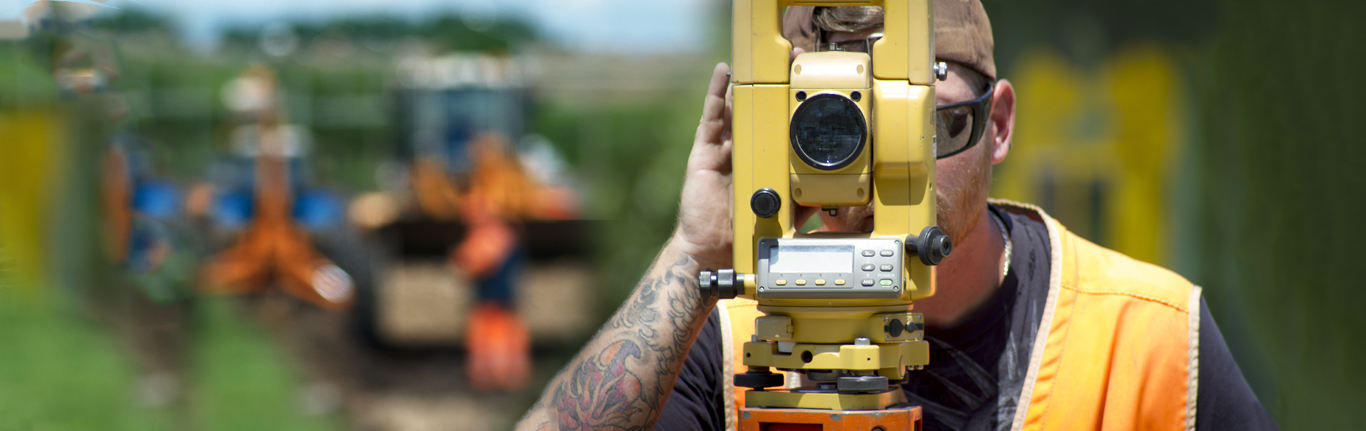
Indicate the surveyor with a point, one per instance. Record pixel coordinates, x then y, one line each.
1031 326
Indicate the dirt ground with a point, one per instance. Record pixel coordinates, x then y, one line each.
418 382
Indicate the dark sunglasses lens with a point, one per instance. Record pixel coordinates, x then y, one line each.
954 127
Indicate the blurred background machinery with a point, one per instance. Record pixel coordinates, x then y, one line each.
261 197
1208 136
480 219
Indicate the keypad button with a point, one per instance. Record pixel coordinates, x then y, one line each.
868 267
801 282
820 281
868 282
886 253
839 281
886 282
868 253
780 282
886 267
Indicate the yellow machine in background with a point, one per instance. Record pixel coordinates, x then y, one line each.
26 181
1101 151
834 129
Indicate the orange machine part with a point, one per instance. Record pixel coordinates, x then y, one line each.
273 247
892 419
499 349
436 195
115 196
497 186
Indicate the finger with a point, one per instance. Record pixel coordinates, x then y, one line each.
714 107
730 106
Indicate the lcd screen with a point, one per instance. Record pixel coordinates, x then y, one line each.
810 259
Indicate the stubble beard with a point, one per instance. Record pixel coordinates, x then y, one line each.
960 202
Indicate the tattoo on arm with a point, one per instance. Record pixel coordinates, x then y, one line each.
623 376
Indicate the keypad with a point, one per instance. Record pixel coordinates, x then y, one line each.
875 269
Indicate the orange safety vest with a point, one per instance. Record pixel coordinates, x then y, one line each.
1130 361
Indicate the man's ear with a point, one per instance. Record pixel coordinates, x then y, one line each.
1002 120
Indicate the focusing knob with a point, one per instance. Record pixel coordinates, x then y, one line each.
932 246
765 203
722 284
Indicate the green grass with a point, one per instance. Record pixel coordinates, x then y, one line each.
61 371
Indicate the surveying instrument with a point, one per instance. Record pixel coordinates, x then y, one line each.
833 129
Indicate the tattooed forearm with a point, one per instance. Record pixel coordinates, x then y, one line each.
622 377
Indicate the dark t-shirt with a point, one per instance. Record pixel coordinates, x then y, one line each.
977 368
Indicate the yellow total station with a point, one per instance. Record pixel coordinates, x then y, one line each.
833 129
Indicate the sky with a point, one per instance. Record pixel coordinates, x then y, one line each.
595 25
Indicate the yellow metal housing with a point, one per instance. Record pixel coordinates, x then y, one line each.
894 173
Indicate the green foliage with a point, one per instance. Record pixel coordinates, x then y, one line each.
1281 185
1089 30
448 31
633 159
18 66
132 18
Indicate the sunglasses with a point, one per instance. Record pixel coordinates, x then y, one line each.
959 126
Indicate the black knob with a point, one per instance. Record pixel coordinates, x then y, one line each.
765 203
758 379
932 245
722 284
862 384
894 328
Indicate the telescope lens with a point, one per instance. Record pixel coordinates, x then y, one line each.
828 131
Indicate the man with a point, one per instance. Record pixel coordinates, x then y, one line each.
1031 327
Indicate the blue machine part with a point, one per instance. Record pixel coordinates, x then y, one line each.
232 208
318 209
149 245
501 286
157 199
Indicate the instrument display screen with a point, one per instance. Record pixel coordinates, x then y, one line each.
811 259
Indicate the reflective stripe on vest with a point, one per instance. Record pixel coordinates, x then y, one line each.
1131 362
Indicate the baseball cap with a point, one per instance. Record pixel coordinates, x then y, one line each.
962 33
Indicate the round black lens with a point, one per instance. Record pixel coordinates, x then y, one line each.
828 131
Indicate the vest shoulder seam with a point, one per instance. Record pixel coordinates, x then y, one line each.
1135 295
1119 274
